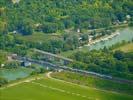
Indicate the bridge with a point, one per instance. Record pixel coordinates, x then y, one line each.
58 67
53 57
64 66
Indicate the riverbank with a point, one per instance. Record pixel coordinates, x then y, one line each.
104 38
126 34
113 27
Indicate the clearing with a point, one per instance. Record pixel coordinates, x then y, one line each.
126 48
53 89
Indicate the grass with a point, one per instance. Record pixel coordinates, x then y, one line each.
70 52
37 37
94 82
50 89
126 48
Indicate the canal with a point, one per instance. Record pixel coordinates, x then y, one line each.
126 34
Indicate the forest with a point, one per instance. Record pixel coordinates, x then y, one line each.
51 16
118 63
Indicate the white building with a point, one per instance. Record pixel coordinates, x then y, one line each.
15 1
2 65
78 30
128 16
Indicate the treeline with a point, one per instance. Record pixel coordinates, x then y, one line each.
49 16
12 43
118 63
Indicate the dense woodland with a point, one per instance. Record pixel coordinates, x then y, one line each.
50 16
118 63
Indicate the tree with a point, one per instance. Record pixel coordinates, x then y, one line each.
25 28
3 81
85 37
119 55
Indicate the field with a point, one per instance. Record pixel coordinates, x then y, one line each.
70 52
95 82
126 48
39 37
53 89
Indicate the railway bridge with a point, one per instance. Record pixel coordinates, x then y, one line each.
46 56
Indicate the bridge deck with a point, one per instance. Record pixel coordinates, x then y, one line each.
53 55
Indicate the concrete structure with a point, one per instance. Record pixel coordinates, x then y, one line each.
15 1
26 63
53 57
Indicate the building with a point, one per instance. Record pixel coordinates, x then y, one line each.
78 30
128 16
25 64
15 1
90 38
2 65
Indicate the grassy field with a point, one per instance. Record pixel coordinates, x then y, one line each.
94 82
51 89
37 37
126 48
70 52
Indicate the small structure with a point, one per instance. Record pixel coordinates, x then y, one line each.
2 65
78 30
25 64
60 70
47 68
80 38
13 56
15 1
14 32
124 21
90 38
37 25
128 16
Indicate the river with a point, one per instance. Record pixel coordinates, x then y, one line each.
125 34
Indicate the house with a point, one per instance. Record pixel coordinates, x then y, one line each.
15 1
124 21
90 38
80 38
128 16
2 65
25 64
13 56
78 30
14 32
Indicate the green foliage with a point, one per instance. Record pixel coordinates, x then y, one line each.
13 64
3 81
3 57
95 82
51 89
116 63
50 16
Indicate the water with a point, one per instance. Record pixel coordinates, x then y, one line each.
13 74
125 34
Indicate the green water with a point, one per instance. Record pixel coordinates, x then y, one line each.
13 74
125 34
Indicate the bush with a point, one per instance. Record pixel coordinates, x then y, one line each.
3 81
